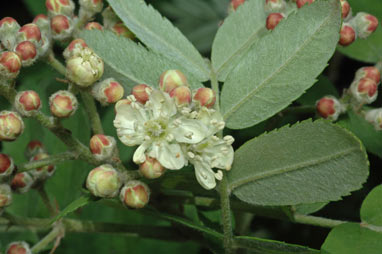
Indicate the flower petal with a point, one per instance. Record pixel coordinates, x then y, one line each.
169 156
188 131
204 175
139 155
161 104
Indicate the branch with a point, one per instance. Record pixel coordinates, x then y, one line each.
51 160
91 109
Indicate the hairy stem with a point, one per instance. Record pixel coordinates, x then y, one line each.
52 60
51 160
215 88
91 110
45 198
226 215
41 245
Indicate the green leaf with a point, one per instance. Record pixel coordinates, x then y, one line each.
307 163
371 138
281 65
78 203
236 36
35 7
129 62
323 87
351 238
256 245
160 35
371 210
309 208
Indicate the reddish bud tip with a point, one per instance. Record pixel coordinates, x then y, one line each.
236 3
30 32
182 95
141 93
63 104
301 3
329 107
7 21
345 9
273 20
171 79
364 90
61 27
108 91
27 51
22 182
370 72
57 7
104 181
135 194
27 102
102 146
74 48
205 97
10 64
34 147
11 125
347 35
151 168
40 18
6 165
365 24
121 30
18 248
94 26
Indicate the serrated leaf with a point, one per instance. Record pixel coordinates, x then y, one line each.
160 35
307 163
281 65
351 238
371 210
309 208
236 36
322 88
130 62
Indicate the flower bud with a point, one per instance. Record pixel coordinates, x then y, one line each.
11 125
5 195
27 51
301 3
273 20
6 165
27 102
22 182
45 46
235 4
109 18
346 9
274 5
63 104
135 194
205 97
182 95
8 30
364 90
365 24
374 117
347 34
18 248
42 21
30 32
120 103
102 147
74 48
10 64
84 69
329 107
141 93
108 91
62 27
44 171
93 26
104 181
171 79
60 7
34 147
369 72
151 168
121 30
92 6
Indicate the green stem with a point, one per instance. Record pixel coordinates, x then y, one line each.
215 88
41 245
51 160
52 60
317 221
226 215
45 198
91 110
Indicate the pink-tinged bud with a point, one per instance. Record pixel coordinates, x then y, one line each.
63 104
182 96
141 93
369 72
275 5
135 194
171 79
61 27
60 7
121 30
30 32
364 90
120 103
205 97
27 102
345 9
329 107
85 68
301 3
151 168
44 171
104 181
109 18
43 22
94 26
108 91
74 48
6 165
92 6
11 125
34 147
8 30
5 195
18 248
236 3
27 51
374 117
22 182
10 64
273 20
102 147
347 35
365 24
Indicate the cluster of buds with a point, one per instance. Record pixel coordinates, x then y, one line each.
364 88
35 151
18 248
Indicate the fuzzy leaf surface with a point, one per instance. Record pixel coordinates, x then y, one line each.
307 163
281 65
160 35
371 210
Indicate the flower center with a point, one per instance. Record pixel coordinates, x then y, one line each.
156 128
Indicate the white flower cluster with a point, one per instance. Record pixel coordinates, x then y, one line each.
175 136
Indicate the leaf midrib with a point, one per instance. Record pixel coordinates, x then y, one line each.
244 99
294 167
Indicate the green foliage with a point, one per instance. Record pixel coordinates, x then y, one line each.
161 36
236 36
35 7
322 88
278 69
306 163
371 208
